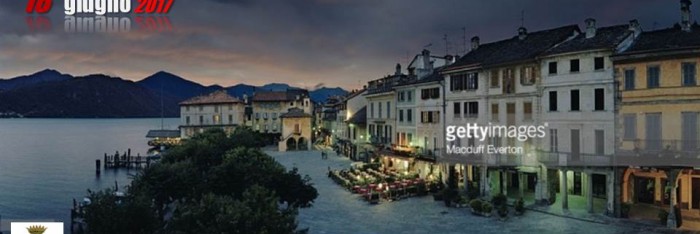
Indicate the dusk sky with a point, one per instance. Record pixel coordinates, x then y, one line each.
301 42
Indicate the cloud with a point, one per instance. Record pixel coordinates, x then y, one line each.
301 42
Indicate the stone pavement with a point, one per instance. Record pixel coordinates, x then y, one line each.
339 211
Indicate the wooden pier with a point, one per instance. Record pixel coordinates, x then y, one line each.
125 160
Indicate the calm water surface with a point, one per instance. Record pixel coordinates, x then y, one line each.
45 163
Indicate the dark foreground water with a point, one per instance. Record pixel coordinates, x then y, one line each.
45 163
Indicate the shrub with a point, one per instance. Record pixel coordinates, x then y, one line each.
503 211
486 207
625 210
476 205
519 205
663 216
499 199
473 191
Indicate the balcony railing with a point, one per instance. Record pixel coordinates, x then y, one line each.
662 147
574 159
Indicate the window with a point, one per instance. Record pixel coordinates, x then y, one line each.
508 81
527 111
371 110
379 105
599 99
574 65
630 126
689 73
216 109
409 115
494 78
629 79
653 77
457 109
552 68
527 75
598 63
409 96
388 109
575 105
552 100
401 96
471 109
201 119
230 107
466 81
553 141
430 117
432 93
187 120
230 119
400 115
599 142
264 115
494 112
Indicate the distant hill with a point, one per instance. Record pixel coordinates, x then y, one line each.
49 93
320 95
47 75
175 86
86 97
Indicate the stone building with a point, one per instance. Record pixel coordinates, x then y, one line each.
214 110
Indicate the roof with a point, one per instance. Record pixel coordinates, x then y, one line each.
605 38
360 117
434 77
673 38
163 133
295 113
275 96
217 97
514 50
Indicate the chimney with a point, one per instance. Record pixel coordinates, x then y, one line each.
398 69
522 33
685 15
590 28
449 59
475 43
634 27
427 65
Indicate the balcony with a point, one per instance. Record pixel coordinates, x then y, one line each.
643 152
561 159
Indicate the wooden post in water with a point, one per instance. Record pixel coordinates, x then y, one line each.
98 167
105 160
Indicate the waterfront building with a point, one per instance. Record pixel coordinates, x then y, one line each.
658 128
214 110
577 102
266 107
497 84
296 130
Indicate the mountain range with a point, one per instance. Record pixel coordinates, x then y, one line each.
52 94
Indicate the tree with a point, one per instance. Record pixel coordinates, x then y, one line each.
212 183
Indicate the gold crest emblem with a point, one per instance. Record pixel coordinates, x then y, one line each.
36 229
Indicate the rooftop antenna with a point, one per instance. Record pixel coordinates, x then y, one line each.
522 18
464 40
162 113
447 47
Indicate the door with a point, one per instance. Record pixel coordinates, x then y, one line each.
577 183
645 188
696 193
575 145
653 131
689 134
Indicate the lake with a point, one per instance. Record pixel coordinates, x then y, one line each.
45 163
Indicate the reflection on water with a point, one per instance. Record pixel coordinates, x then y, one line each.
45 163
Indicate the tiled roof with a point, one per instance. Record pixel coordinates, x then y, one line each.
163 133
218 97
360 117
605 38
435 76
666 39
296 113
514 50
274 96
